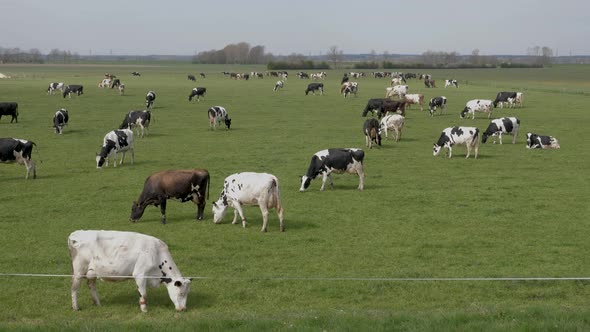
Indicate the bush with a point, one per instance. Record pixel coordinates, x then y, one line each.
303 64
520 65
366 65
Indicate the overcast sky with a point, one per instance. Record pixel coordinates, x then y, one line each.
184 27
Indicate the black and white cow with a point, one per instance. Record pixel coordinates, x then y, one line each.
139 120
451 83
302 75
498 127
11 109
198 92
218 114
372 131
440 101
19 151
60 120
477 105
191 78
55 86
279 85
313 87
534 141
249 188
73 88
348 88
149 99
505 97
135 73
338 161
458 135
113 142
118 256
115 83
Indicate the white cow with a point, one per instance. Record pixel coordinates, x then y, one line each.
399 90
55 86
249 188
415 99
105 83
477 105
393 122
451 83
458 135
118 256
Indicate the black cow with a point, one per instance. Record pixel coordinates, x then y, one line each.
60 119
191 78
392 106
115 83
202 75
436 102
534 141
334 161
373 105
18 150
9 109
313 87
135 73
345 79
73 88
184 185
137 119
504 97
198 92
372 131
149 99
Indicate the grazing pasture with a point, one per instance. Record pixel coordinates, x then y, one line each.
513 212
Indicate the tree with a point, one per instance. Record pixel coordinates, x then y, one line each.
334 55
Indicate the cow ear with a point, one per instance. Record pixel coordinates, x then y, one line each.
177 283
214 204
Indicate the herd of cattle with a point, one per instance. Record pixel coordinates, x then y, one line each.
148 260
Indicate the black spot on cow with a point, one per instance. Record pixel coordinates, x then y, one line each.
507 125
166 280
457 131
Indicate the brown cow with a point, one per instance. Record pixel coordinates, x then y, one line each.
392 106
184 185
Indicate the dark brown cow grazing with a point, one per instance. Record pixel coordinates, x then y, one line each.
392 106
183 185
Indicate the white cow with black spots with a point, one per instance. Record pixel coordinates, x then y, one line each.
458 135
498 127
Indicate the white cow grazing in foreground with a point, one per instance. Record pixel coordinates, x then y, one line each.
249 188
118 256
393 122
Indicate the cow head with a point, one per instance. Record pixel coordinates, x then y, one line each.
305 182
100 160
136 212
464 112
219 210
436 149
178 289
227 122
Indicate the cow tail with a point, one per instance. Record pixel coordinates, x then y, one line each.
208 180
274 188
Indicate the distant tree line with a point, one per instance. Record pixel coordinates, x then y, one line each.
240 53
34 55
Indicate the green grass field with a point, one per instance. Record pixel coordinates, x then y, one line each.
511 213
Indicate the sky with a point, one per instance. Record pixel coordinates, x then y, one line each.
186 27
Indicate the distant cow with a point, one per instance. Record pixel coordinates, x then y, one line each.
372 132
183 185
411 99
191 78
436 102
121 89
498 127
135 73
392 106
373 105
302 75
202 75
11 109
393 122
218 114
349 88
534 141
429 83
313 87
398 80
115 83
338 161
73 88
519 99
399 90
117 256
105 83
505 97
279 85
248 188
458 135
198 92
19 151
451 83
149 99
477 105
60 119
55 86
140 120
113 142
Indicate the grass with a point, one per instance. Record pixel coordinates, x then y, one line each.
513 212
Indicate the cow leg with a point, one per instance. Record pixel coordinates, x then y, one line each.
91 278
514 133
122 158
450 151
132 151
324 178
142 288
76 281
500 138
264 210
468 145
238 209
163 210
235 220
